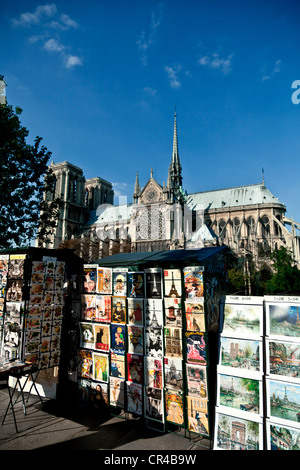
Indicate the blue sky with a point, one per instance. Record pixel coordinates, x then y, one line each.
99 82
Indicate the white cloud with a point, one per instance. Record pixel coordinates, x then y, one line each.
28 19
149 91
64 23
72 61
172 74
276 69
120 189
216 62
144 41
52 45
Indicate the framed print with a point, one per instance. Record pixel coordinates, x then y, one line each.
283 320
154 404
119 279
281 437
153 371
135 368
90 278
136 285
173 370
242 357
87 338
154 313
283 402
172 283
134 393
173 342
104 280
243 395
135 309
102 337
235 433
193 282
196 348
173 312
283 360
118 339
174 405
117 365
196 380
117 392
103 308
100 367
118 309
197 416
135 340
153 342
243 320
194 314
153 283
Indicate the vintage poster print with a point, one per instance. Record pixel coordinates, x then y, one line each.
136 285
283 402
134 398
117 365
283 360
172 283
118 309
198 422
283 320
135 309
196 379
173 373
153 342
240 393
173 312
88 306
241 355
154 404
153 372
120 282
243 320
117 392
196 348
102 337
100 367
174 403
194 314
103 308
118 340
173 342
234 433
14 290
154 313
282 437
104 280
193 282
87 338
135 339
153 283
90 278
85 364
16 266
99 394
135 368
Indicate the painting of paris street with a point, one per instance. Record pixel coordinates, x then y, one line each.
239 393
233 433
242 355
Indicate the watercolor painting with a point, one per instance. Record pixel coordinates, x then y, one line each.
234 433
283 401
283 319
243 320
241 354
239 393
283 359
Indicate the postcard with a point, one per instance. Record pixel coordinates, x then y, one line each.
88 303
134 398
87 338
173 373
172 283
135 311
174 404
153 342
241 356
136 284
154 404
16 266
104 280
283 320
118 309
194 314
98 394
173 342
197 416
90 278
193 282
281 437
154 313
101 337
243 320
117 365
85 363
196 378
196 348
103 308
135 339
283 360
235 433
283 402
117 392
153 368
119 280
100 367
153 283
173 312
118 339
135 368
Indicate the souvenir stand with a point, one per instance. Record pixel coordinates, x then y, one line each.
36 286
147 342
258 374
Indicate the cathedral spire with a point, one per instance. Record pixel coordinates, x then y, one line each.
137 187
174 176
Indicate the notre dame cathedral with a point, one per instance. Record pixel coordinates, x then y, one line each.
248 219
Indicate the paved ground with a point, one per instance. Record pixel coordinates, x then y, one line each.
52 426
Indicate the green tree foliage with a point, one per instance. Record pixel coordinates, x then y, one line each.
24 178
286 277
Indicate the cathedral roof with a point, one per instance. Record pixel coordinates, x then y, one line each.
247 195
